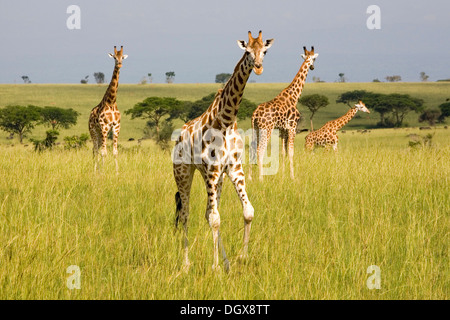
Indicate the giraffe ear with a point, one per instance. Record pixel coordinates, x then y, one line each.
304 56
124 56
268 43
315 56
242 44
111 55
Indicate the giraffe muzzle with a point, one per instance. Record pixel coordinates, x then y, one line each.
258 69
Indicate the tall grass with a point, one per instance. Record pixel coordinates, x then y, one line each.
376 202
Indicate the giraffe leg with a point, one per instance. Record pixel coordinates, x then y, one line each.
263 139
183 177
237 177
283 148
96 142
104 136
291 139
253 149
116 131
220 243
335 144
212 212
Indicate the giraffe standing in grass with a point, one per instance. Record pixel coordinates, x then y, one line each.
326 136
106 116
280 113
212 145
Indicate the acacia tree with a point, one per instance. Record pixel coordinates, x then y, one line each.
19 119
402 104
430 115
59 117
155 109
352 97
99 77
314 102
170 76
222 77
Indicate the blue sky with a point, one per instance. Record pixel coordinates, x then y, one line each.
197 39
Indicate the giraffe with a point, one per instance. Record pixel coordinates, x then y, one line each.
281 113
326 136
106 116
212 145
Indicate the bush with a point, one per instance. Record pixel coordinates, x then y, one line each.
76 142
47 143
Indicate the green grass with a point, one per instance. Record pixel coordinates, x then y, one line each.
376 202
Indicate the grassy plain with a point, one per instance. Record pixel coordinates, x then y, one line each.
376 202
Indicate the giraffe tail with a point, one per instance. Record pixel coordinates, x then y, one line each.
178 210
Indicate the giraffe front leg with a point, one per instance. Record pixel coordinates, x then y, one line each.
283 148
264 138
222 248
104 136
94 138
291 139
237 177
212 213
116 131
183 177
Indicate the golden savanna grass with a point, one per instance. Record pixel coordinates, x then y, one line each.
376 202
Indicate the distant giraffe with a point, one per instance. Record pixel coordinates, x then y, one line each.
326 136
106 116
212 145
281 113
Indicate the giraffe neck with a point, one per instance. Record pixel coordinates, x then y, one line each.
342 121
111 93
230 98
294 90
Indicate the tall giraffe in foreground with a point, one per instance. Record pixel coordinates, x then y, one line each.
326 136
281 113
106 116
212 145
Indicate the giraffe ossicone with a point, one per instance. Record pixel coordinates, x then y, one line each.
326 136
214 136
106 116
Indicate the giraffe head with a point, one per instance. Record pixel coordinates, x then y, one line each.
361 107
257 49
310 57
118 56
